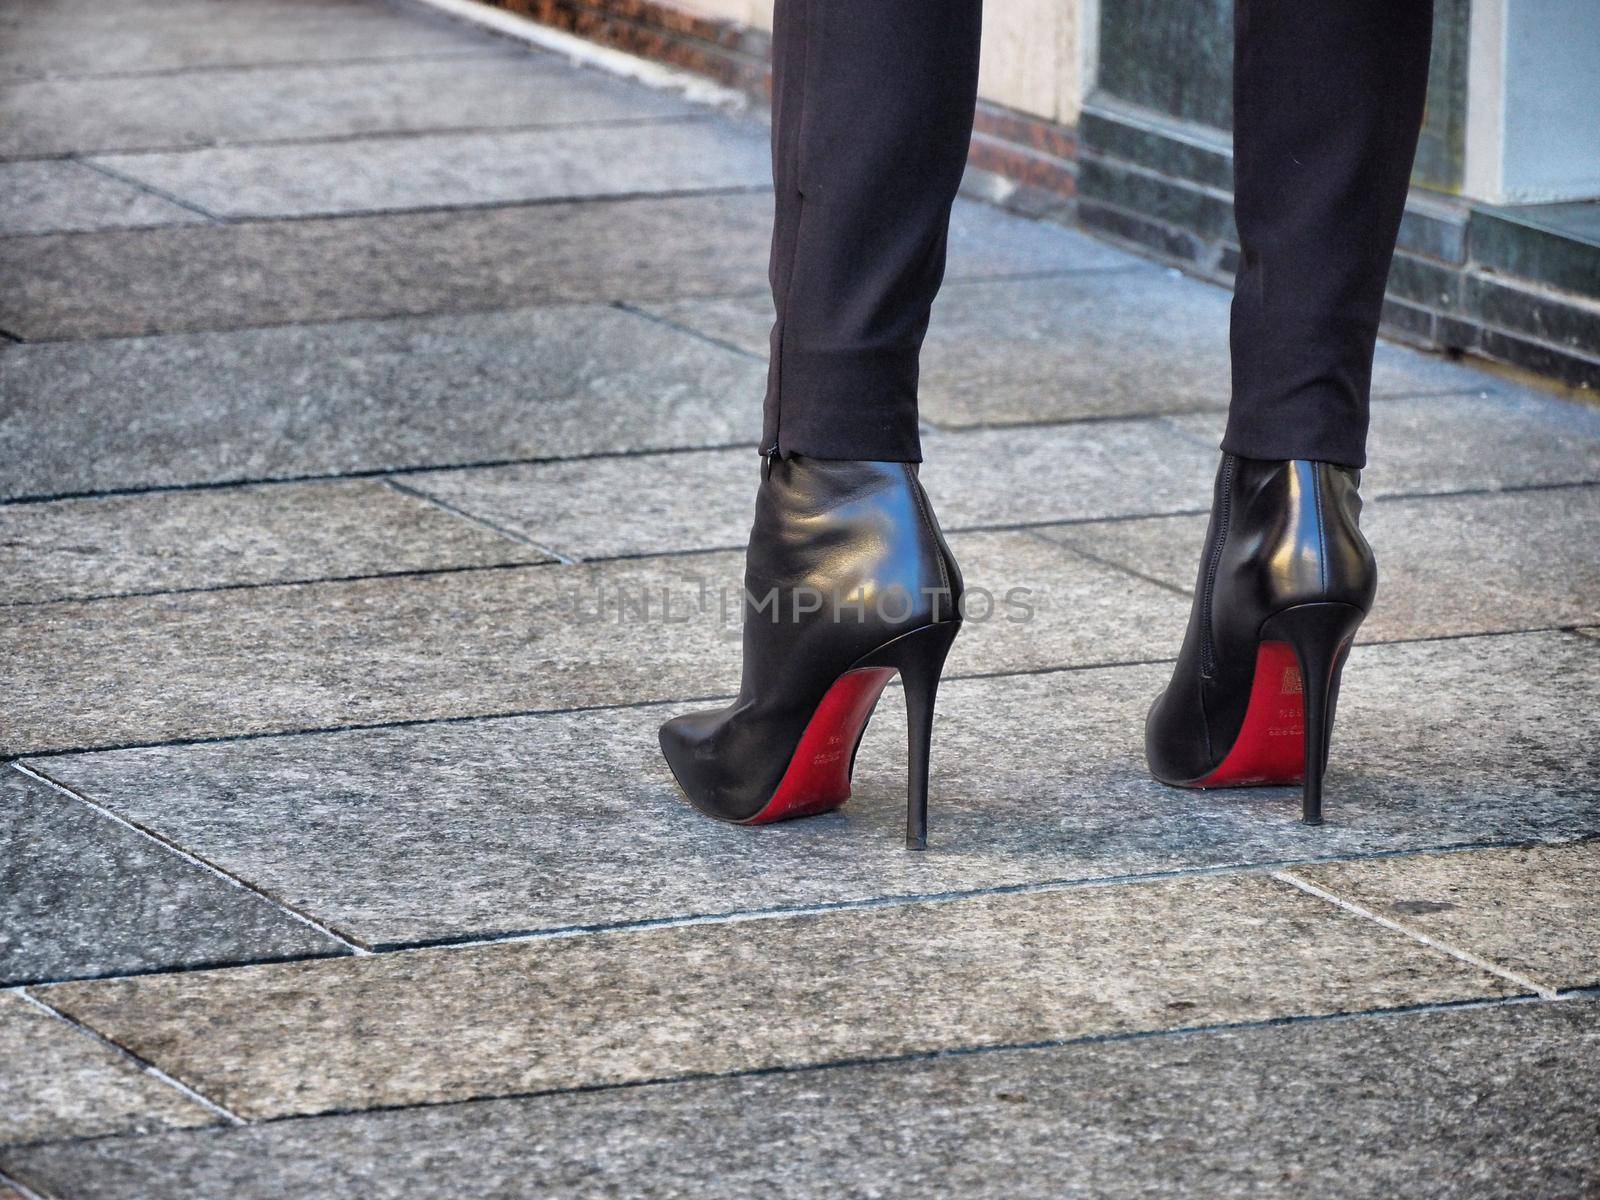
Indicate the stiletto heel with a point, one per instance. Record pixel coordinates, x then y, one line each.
847 581
920 659
1285 580
1319 635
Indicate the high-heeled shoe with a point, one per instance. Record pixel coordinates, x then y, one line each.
1285 581
847 580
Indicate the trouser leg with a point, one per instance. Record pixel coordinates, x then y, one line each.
1328 98
872 114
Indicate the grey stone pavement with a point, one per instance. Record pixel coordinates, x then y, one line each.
361 366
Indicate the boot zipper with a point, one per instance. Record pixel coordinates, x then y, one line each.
1208 650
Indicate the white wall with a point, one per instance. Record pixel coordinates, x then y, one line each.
747 12
1031 49
1533 101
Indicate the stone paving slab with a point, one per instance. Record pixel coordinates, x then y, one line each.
61 1083
279 272
694 500
227 537
320 655
1084 346
82 896
530 823
1510 1093
276 272
41 197
375 395
706 499
1069 347
206 108
1008 476
440 170
1030 608
101 39
1535 909
313 656
363 396
1446 565
986 242
1465 442
455 1024
524 639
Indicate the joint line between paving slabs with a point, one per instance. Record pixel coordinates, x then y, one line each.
679 327
869 903
285 64
90 157
147 189
708 699
380 473
195 860
1484 493
219 221
492 527
478 206
264 584
1110 564
143 1064
1465 956
913 899
923 1056
20 1188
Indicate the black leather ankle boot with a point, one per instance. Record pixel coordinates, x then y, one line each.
847 580
1285 581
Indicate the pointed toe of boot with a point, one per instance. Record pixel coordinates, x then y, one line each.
680 739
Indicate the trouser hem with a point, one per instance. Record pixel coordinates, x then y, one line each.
854 405
1318 426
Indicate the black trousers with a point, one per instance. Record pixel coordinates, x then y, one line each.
872 112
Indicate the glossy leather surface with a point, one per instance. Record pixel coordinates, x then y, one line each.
843 558
1282 533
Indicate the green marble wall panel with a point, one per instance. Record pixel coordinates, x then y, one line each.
1175 57
1442 149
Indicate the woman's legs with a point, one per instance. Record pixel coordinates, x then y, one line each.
1328 99
872 112
1328 105
873 108
847 578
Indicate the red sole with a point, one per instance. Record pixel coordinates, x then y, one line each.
1271 745
818 777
